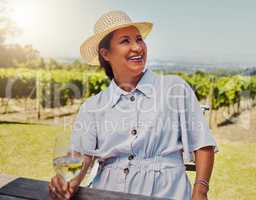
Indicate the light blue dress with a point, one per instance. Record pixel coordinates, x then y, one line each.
143 137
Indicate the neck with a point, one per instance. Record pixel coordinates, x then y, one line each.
128 83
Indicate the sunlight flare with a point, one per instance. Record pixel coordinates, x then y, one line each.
25 15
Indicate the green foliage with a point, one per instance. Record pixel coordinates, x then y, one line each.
200 82
97 82
252 87
59 86
229 90
224 91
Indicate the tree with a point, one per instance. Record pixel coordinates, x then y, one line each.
7 26
14 55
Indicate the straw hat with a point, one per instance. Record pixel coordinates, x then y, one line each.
107 23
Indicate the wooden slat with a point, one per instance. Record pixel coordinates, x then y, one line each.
38 190
4 197
26 188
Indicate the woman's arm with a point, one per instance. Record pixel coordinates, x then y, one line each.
204 164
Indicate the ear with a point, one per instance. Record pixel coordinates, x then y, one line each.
104 53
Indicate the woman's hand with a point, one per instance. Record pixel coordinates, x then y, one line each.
199 192
59 189
199 196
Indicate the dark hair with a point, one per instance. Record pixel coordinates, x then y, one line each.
105 43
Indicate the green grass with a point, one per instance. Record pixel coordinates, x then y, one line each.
234 172
26 150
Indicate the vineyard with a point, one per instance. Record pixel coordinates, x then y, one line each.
38 91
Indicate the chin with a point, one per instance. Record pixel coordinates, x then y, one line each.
137 66
137 69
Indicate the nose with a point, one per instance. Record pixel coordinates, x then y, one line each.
136 47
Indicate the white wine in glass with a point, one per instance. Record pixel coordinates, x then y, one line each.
67 163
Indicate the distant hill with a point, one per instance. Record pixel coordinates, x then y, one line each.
250 72
191 67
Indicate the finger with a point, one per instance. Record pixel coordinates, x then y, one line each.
55 183
72 189
58 187
51 188
51 191
73 186
58 184
65 186
59 196
55 195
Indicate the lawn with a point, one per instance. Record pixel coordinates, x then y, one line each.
26 150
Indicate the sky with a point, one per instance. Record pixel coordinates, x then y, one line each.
198 30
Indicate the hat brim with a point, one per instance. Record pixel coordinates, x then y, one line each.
89 48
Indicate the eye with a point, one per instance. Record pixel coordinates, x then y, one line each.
125 41
139 39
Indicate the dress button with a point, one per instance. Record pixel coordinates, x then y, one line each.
132 98
134 132
126 171
130 157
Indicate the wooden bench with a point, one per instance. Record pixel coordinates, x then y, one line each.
14 188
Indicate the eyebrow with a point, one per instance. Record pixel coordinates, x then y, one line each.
127 37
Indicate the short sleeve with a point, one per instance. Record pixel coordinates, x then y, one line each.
195 132
84 137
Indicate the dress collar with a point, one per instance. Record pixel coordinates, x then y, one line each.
145 86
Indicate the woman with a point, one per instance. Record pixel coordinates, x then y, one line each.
143 126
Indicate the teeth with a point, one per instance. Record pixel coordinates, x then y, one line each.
135 58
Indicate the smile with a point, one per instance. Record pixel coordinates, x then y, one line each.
136 58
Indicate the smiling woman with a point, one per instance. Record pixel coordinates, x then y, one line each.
143 126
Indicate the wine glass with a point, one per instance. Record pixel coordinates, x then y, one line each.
67 162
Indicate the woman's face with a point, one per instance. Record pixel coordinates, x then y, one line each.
128 52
